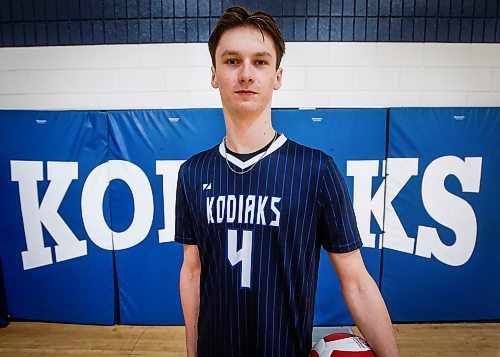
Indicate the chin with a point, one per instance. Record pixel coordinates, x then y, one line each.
248 108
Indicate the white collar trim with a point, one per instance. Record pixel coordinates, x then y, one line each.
244 164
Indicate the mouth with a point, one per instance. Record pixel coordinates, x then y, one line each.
245 92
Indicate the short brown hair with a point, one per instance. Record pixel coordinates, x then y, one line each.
237 16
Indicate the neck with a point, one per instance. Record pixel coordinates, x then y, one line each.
245 136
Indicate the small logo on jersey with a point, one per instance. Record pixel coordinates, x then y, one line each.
317 120
207 186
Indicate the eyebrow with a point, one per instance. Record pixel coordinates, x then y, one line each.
236 53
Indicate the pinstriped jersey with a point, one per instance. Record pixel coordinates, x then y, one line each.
259 236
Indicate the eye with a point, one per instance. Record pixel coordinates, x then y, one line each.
231 61
261 62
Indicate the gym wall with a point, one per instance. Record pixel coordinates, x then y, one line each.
149 54
105 55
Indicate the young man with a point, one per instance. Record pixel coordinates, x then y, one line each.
253 213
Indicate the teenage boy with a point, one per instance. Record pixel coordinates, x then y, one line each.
254 212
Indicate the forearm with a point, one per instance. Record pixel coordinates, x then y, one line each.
190 299
368 310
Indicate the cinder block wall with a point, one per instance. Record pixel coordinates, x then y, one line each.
316 74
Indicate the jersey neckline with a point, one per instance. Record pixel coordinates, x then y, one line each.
244 164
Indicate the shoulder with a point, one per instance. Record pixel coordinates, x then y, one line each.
311 153
198 159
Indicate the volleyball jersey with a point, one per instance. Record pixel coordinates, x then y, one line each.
259 236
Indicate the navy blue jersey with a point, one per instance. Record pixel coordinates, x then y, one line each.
259 237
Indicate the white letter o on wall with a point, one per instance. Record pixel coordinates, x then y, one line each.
92 205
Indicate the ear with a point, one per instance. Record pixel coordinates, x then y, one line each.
214 83
277 82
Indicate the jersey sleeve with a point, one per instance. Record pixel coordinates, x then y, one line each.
184 232
337 228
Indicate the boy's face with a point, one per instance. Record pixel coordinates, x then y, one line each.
245 72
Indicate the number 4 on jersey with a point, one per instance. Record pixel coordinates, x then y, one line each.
244 255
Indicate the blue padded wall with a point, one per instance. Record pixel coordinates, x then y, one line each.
52 270
80 179
448 209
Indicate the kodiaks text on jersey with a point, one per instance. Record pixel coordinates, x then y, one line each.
246 209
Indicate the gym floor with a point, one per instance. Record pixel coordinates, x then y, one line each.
51 339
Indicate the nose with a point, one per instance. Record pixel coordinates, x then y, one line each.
246 73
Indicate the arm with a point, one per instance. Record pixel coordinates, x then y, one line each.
365 303
190 295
